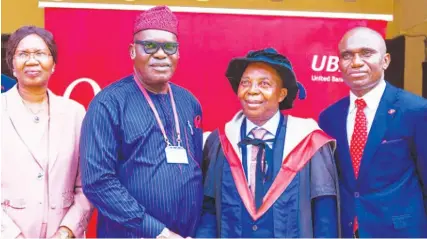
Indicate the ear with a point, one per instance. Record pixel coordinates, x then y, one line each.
386 61
53 68
283 94
132 52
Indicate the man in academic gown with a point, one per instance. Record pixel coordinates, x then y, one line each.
268 174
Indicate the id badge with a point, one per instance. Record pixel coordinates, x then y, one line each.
176 154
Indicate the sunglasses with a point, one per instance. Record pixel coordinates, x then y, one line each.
151 47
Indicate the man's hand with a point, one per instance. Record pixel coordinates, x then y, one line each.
63 233
167 234
174 235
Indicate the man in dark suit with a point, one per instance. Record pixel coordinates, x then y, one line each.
381 154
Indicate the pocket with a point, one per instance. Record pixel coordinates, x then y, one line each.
19 203
395 148
401 221
137 131
392 141
190 143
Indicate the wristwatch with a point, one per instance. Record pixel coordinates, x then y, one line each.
63 234
165 233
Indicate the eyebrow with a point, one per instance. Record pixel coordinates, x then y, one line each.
31 50
359 50
260 78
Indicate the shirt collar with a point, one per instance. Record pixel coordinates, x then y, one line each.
372 98
271 125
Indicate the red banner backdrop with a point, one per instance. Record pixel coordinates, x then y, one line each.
93 52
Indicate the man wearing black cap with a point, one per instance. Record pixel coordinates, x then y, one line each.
267 174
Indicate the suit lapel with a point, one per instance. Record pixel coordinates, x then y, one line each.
19 120
279 147
342 141
56 127
379 126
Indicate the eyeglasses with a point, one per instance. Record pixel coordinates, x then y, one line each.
38 56
151 47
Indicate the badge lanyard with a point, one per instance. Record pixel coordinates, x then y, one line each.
156 114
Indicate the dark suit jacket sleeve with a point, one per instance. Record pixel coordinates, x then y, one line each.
99 154
208 225
421 149
324 193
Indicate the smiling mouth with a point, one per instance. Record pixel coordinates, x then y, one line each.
160 67
358 74
253 103
32 73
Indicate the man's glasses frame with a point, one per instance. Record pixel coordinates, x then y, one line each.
151 47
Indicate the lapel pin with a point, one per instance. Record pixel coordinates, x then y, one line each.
391 111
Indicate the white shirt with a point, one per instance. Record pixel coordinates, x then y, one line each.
372 99
271 127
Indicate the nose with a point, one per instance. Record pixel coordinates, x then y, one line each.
356 61
160 54
253 89
32 60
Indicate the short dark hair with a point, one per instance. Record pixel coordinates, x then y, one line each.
21 33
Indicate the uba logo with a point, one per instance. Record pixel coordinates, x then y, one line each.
95 87
325 63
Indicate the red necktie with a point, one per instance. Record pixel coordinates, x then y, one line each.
358 141
359 137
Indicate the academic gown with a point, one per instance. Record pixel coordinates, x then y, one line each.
300 202
125 173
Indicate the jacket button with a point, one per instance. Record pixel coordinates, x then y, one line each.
356 194
254 227
40 176
53 206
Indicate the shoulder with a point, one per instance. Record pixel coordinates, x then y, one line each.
185 96
411 101
5 96
302 122
212 144
301 127
212 136
70 105
413 107
330 110
115 92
